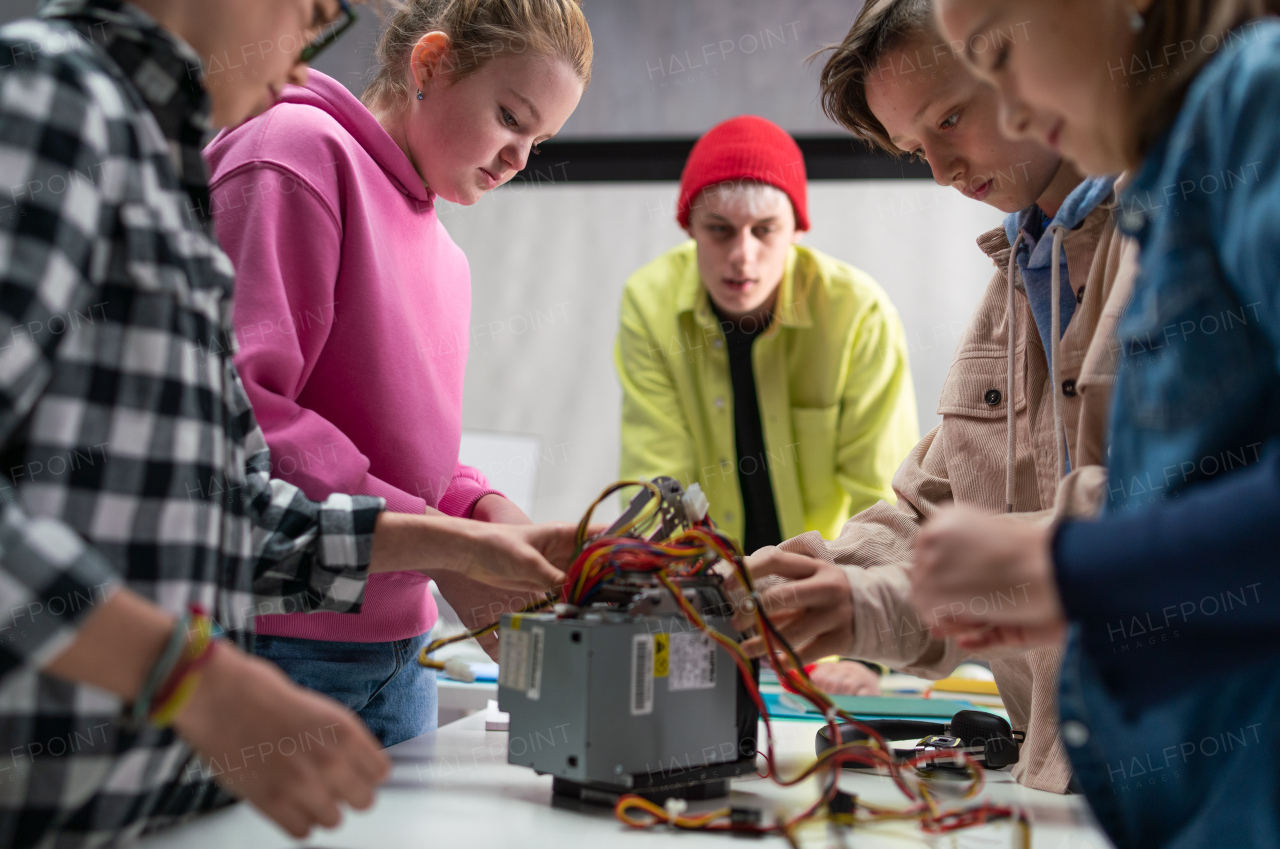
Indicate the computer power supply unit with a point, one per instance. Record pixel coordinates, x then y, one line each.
626 695
613 702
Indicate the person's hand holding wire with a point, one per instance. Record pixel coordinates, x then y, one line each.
809 600
845 678
987 581
478 604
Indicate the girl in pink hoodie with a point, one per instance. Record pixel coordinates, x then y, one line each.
353 305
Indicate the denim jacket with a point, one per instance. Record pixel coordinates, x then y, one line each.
1191 762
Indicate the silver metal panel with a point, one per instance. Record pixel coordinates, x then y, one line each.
588 700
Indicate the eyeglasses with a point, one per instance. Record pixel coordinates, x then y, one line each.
331 32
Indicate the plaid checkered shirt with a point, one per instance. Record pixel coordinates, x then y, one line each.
129 453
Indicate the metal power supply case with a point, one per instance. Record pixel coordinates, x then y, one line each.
613 702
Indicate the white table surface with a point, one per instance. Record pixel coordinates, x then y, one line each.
454 788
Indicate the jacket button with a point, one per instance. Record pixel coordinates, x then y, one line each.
719 403
1133 221
1075 733
717 343
724 464
1080 296
993 397
1069 388
728 517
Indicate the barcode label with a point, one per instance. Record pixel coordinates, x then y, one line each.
641 674
514 654
535 664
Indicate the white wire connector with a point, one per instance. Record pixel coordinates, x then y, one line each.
695 503
459 670
673 806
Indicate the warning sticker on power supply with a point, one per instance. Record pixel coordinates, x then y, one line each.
641 674
520 660
691 662
660 665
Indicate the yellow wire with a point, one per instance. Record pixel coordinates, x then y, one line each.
435 645
660 813
651 509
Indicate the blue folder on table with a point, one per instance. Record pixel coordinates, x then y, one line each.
783 706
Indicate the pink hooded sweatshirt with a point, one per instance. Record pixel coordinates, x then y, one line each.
352 309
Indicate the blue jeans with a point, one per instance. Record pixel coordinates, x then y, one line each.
381 682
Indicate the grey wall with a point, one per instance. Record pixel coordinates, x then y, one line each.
664 67
675 67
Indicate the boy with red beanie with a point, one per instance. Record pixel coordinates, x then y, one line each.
773 375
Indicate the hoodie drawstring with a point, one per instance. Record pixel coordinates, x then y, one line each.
1055 322
1059 428
1011 456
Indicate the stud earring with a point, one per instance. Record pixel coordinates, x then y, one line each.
419 94
1137 23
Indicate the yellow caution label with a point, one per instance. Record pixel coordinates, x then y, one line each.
661 655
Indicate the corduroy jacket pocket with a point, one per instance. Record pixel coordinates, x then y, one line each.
977 386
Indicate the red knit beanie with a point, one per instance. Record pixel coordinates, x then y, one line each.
746 148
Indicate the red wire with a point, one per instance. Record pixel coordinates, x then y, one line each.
640 556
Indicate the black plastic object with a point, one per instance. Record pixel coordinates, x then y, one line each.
975 727
843 804
889 729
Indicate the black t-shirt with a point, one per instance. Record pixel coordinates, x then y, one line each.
760 513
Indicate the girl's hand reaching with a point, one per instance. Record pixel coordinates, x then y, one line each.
520 558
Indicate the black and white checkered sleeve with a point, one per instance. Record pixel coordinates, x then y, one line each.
51 134
309 555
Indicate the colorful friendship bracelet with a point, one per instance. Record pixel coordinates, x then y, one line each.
160 672
183 681
173 680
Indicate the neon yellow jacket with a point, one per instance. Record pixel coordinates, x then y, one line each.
836 399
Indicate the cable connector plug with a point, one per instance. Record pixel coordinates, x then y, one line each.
746 822
842 807
675 808
459 670
695 503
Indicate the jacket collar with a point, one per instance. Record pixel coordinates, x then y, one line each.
995 242
1082 200
791 310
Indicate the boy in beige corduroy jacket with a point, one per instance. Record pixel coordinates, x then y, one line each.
997 447
964 460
